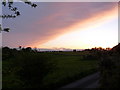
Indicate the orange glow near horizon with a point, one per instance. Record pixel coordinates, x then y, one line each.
84 35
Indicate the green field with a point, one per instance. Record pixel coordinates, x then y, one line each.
68 67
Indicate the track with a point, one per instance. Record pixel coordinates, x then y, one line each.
91 81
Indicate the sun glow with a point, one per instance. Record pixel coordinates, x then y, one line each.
102 35
98 31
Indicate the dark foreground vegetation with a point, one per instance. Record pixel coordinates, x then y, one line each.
110 68
28 68
24 68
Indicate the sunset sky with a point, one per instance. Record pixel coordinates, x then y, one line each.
79 25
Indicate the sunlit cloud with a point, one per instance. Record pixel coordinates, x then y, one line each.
52 20
105 35
66 21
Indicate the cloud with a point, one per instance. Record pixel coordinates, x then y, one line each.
65 15
55 19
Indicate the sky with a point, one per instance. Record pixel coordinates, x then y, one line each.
71 25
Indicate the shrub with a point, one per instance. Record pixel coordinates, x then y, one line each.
110 71
28 68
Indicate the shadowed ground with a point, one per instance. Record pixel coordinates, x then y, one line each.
91 81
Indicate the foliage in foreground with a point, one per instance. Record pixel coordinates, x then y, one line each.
24 69
110 68
27 68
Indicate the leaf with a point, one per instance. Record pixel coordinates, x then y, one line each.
6 29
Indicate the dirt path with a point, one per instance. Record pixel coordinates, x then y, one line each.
91 81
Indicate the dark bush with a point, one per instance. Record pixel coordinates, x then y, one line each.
110 71
8 53
26 70
89 57
34 68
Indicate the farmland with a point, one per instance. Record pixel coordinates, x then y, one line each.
24 69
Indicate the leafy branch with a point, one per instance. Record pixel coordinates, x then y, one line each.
16 12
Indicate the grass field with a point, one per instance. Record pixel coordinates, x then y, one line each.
69 66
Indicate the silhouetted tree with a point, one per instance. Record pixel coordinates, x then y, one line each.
74 50
20 47
110 68
6 53
116 49
6 49
16 12
9 4
108 49
28 49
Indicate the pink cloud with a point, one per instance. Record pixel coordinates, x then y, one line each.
54 19
70 14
